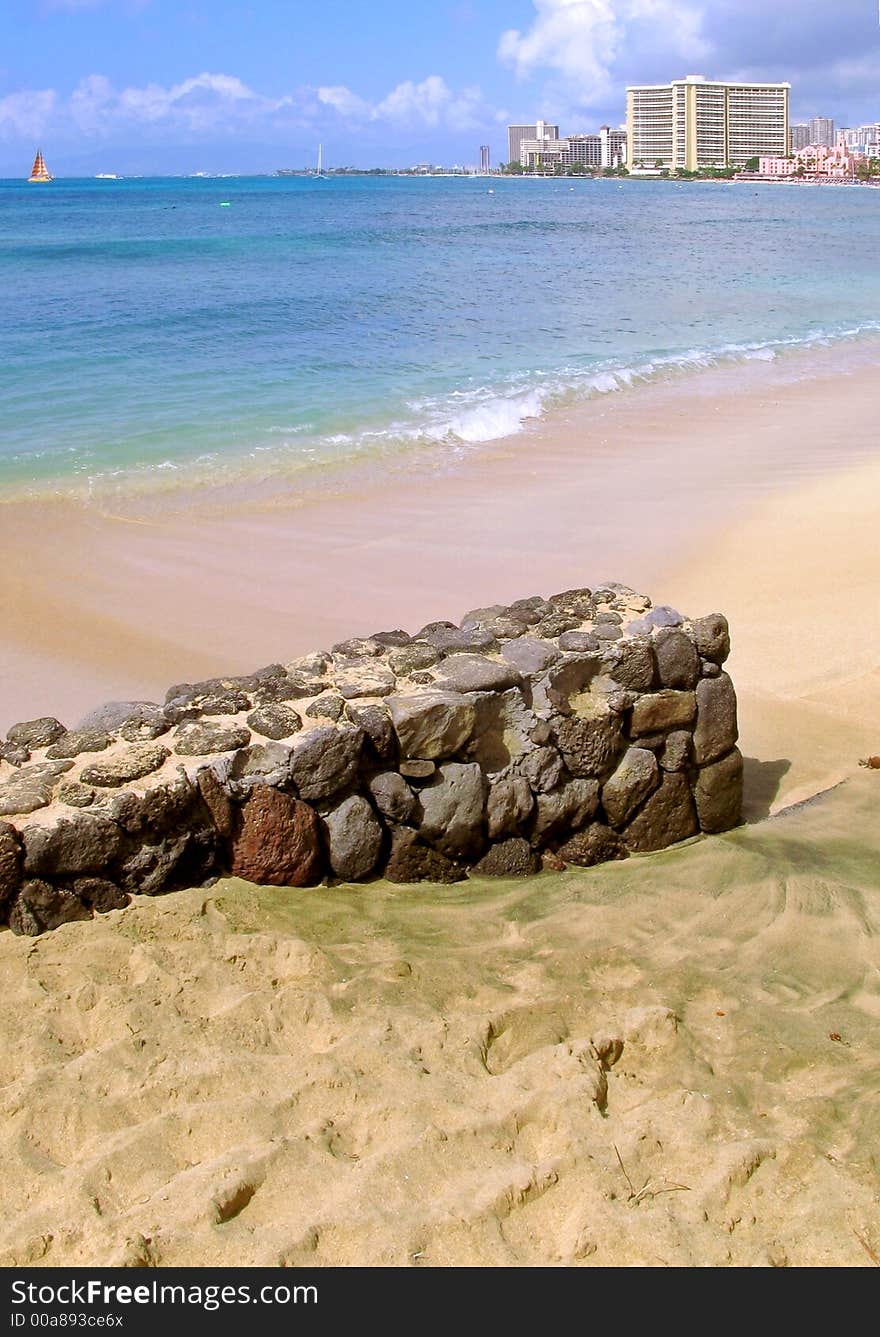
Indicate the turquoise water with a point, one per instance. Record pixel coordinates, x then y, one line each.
151 335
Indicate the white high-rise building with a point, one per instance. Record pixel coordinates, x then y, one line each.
517 133
822 131
696 122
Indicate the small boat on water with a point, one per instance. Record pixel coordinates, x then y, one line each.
39 171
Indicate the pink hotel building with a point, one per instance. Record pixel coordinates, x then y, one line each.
817 160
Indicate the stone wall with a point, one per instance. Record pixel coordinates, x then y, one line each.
569 730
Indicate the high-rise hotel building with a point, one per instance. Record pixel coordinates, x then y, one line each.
695 122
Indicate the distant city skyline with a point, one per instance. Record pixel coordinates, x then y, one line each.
159 85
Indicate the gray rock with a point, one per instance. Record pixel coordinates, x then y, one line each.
160 809
479 617
10 863
36 733
88 843
132 764
475 673
144 716
718 793
23 795
509 858
292 687
579 641
556 624
662 616
432 724
366 678
578 603
275 721
353 835
183 859
376 724
608 616
194 705
712 637
417 770
591 741
667 817
506 628
716 730
634 779
77 741
313 665
529 655
675 754
328 706
508 806
597 843
658 711
506 729
411 860
630 664
678 664
452 640
607 631
40 906
393 796
416 655
358 647
391 639
452 810
14 753
710 670
543 769
564 810
99 894
260 764
535 606
325 760
202 738
572 676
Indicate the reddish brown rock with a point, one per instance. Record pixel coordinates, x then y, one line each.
276 841
217 801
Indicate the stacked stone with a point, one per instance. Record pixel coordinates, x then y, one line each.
575 729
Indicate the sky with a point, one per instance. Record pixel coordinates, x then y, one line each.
149 86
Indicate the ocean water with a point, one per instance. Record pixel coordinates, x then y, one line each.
164 333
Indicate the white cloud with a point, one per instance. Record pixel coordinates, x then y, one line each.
26 115
429 103
579 42
343 100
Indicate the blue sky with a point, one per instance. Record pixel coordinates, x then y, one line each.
189 85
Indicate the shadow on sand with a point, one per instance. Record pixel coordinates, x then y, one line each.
761 781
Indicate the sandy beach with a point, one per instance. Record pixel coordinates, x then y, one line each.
669 1061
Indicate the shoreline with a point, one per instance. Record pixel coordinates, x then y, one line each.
118 606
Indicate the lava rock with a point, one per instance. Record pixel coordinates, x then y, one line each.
99 894
590 742
259 764
579 641
183 859
529 655
14 753
217 802
676 751
411 860
630 664
416 655
509 858
597 843
328 706
378 729
40 906
135 721
543 769
418 769
87 843
10 863
276 841
475 673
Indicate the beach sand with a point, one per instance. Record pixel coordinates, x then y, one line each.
666 1061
